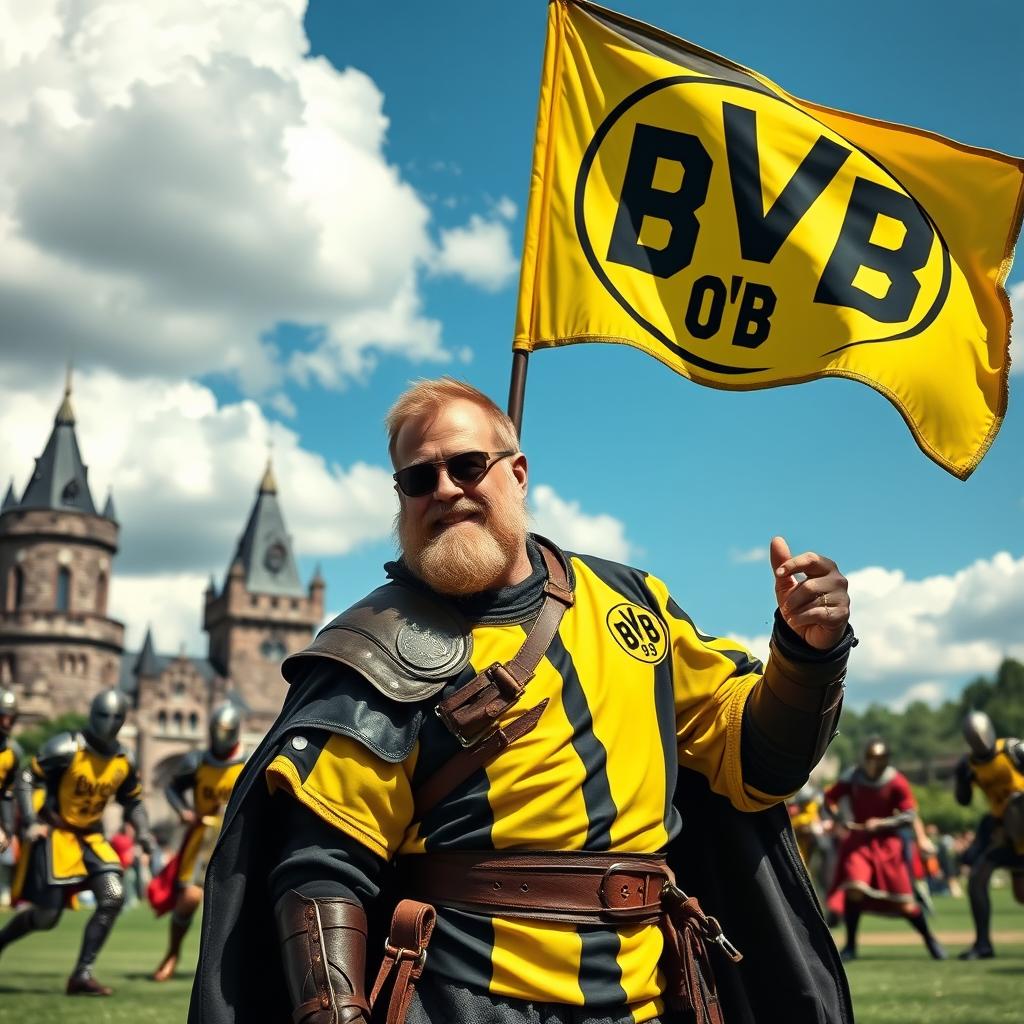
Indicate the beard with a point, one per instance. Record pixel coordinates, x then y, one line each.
470 556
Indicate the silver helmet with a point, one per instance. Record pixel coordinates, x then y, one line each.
225 729
980 734
8 711
107 713
875 758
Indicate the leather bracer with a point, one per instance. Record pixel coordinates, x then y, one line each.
323 952
796 704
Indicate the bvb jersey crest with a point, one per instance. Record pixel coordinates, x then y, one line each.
638 631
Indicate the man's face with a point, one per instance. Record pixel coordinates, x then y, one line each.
462 537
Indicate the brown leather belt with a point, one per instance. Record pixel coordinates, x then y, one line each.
573 888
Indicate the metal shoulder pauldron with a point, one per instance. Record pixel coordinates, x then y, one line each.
404 642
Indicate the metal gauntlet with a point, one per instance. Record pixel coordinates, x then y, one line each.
323 951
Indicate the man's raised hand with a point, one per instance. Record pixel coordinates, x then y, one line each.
816 608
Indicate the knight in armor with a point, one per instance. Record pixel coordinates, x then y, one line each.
874 803
996 767
10 767
561 786
81 773
208 776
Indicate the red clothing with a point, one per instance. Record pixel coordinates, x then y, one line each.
124 847
872 863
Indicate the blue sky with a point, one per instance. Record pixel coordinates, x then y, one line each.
179 396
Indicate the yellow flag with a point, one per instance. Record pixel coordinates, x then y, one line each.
688 206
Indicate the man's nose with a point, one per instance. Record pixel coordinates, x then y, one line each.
446 489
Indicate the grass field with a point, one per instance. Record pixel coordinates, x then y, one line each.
891 983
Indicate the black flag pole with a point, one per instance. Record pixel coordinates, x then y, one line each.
517 388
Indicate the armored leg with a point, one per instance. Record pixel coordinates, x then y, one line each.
981 910
108 888
40 917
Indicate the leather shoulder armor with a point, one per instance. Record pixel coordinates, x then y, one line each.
404 642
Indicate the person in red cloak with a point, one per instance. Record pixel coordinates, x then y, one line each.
874 801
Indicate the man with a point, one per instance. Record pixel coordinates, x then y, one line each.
10 765
874 803
996 767
81 772
210 776
497 733
812 830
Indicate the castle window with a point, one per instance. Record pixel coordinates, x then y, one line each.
179 722
179 688
63 589
69 496
193 722
15 589
161 720
7 669
101 594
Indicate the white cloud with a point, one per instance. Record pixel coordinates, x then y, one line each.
170 603
566 524
506 208
930 692
480 253
749 556
1016 292
185 471
178 177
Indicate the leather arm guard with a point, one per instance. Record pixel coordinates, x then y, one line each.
794 708
323 952
135 814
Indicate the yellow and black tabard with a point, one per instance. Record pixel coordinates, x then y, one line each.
210 781
999 778
10 763
80 782
804 817
633 689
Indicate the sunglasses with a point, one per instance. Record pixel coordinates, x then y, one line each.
465 468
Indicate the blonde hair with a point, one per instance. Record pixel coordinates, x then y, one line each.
427 396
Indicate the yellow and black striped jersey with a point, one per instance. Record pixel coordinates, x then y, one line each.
998 778
634 689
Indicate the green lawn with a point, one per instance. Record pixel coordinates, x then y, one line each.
891 984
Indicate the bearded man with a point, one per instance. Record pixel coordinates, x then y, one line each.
496 735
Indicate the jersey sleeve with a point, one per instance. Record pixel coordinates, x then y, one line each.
345 784
712 678
130 791
836 792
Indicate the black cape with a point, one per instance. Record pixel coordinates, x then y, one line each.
743 867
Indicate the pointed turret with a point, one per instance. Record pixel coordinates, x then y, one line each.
10 499
146 664
60 479
265 548
108 508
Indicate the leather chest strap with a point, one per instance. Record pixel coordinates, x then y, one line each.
471 712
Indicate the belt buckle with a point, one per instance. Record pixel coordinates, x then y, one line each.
620 900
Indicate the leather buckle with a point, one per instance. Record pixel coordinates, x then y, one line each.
510 691
626 886
399 953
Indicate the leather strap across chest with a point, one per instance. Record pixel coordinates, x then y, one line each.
471 713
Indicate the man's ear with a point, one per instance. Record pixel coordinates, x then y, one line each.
521 470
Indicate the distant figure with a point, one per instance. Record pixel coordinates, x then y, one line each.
874 802
996 767
81 772
10 765
210 776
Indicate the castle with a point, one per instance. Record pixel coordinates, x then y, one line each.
59 646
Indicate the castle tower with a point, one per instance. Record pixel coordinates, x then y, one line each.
58 646
262 613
